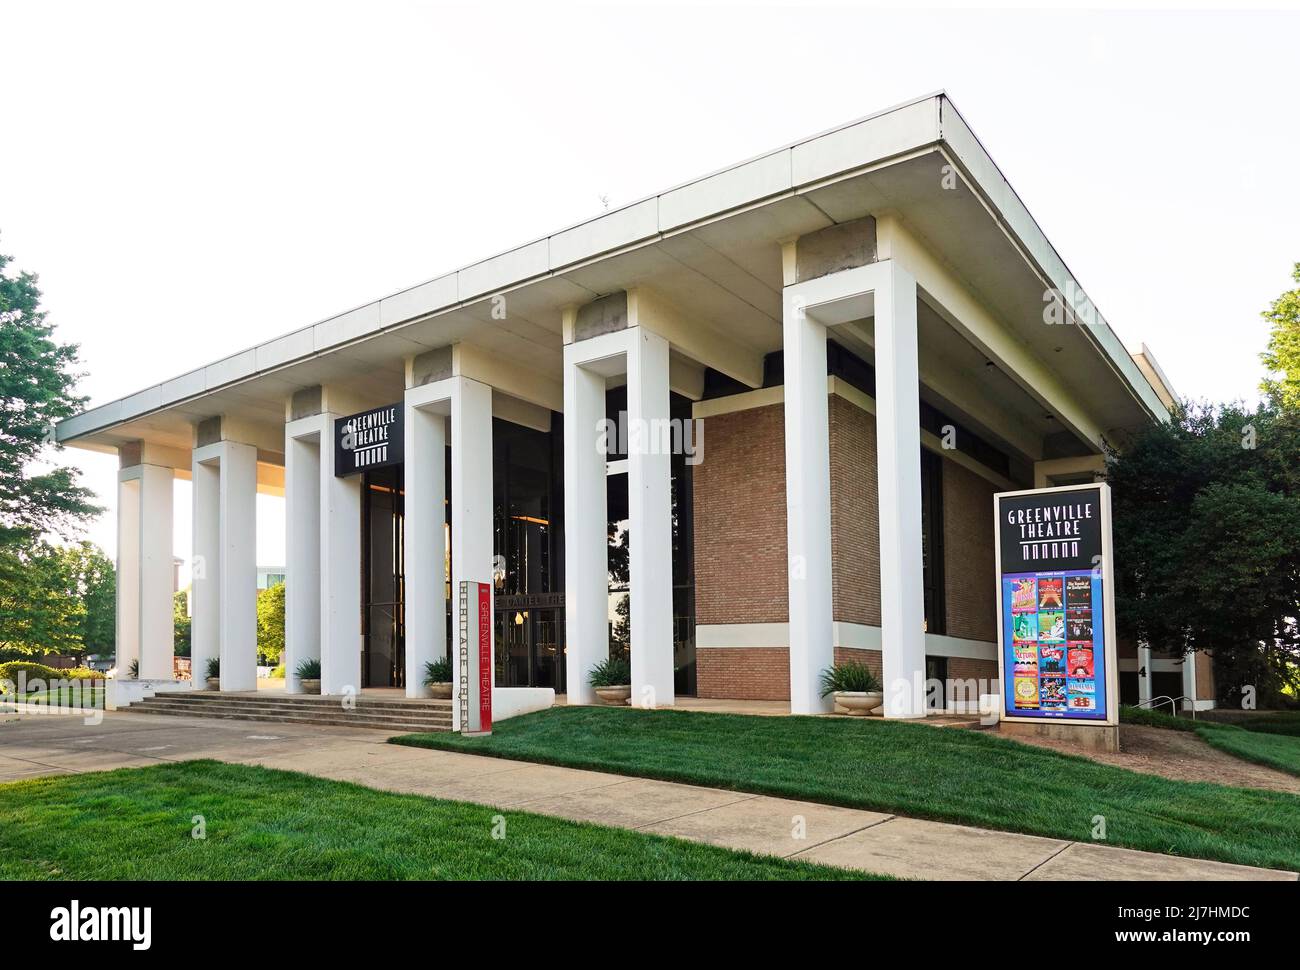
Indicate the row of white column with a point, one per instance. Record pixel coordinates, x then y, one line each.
323 512
323 607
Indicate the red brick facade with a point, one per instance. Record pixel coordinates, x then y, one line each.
855 514
740 519
969 568
743 673
740 546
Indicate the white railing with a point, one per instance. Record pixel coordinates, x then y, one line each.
1173 708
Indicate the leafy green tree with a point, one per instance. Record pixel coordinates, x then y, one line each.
98 580
270 622
181 624
36 390
1207 541
1283 353
44 613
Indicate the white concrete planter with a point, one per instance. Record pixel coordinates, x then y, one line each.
615 696
214 683
440 691
310 686
858 703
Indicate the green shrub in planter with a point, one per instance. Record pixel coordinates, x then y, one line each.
614 672
134 668
849 676
308 670
213 668
437 672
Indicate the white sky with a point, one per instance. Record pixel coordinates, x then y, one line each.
190 180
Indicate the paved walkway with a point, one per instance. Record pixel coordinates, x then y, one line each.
33 745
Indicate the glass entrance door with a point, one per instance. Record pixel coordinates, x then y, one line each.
530 647
383 589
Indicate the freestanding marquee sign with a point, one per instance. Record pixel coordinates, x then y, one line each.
1056 605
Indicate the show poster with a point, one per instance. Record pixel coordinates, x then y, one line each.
1056 604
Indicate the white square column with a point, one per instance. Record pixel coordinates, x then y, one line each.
471 509
468 403
205 574
145 587
425 554
887 292
807 505
586 540
898 462
322 593
302 535
128 573
225 549
340 568
650 511
157 577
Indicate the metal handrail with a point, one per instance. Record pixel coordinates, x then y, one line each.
1172 703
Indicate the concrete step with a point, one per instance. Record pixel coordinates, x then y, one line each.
268 697
354 720
408 711
353 717
396 716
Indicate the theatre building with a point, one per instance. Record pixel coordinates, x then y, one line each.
735 431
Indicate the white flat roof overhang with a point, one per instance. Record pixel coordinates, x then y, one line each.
711 247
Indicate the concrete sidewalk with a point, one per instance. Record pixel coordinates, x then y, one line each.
33 745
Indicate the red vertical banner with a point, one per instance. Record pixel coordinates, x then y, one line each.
485 657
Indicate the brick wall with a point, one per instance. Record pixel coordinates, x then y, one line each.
855 514
969 567
740 545
1205 687
740 537
743 673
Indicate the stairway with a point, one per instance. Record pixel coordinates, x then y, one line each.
396 716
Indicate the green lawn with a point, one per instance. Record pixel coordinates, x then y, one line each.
1264 722
1147 717
135 823
83 697
951 775
1278 751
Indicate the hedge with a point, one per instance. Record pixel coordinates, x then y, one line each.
9 673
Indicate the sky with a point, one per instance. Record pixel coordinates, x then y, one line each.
191 179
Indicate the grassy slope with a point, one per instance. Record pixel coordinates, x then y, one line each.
1272 750
1272 740
950 775
135 823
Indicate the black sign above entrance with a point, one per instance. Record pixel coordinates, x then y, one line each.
369 439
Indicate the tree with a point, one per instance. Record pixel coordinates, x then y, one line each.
1283 353
1207 541
98 581
36 390
44 610
270 622
181 624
